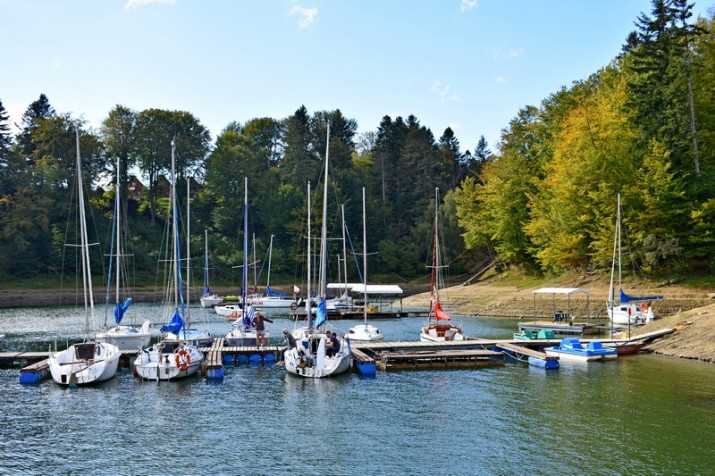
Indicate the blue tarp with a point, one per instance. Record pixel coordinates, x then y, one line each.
320 313
120 309
175 325
248 317
271 292
626 298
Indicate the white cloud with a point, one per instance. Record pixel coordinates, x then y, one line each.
468 5
509 54
444 93
133 4
306 16
500 80
455 126
57 63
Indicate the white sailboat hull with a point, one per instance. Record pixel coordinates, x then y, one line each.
269 302
84 364
625 314
167 362
240 337
308 359
210 301
365 333
127 337
229 310
432 332
191 336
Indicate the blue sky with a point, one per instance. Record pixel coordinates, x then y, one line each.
466 64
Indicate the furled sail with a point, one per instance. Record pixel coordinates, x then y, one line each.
626 298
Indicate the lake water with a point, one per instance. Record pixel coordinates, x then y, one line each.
637 415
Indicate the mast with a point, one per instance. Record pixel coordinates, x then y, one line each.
84 246
345 256
206 261
244 283
364 258
270 252
174 228
435 260
117 224
308 271
188 252
324 228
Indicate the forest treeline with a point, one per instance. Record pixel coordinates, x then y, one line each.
545 198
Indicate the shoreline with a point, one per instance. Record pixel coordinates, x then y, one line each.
691 312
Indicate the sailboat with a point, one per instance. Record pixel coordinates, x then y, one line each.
87 362
125 337
192 335
365 332
207 299
273 299
243 332
176 358
438 327
626 311
309 358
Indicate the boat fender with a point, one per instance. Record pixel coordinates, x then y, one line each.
234 314
183 360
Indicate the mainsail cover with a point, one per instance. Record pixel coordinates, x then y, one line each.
321 313
176 324
626 298
271 292
120 309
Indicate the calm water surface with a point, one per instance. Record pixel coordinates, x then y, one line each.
638 415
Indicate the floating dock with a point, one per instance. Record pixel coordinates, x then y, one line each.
367 355
438 359
533 357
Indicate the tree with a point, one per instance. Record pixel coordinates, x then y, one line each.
39 109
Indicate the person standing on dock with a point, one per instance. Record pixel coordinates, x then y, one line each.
258 322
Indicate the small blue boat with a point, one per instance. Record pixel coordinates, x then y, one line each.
572 349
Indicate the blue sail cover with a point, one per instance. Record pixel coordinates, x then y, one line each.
207 291
271 292
626 298
175 325
120 309
320 313
248 317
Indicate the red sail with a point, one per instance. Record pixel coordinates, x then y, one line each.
439 314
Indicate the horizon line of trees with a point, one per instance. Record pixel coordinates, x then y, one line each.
642 127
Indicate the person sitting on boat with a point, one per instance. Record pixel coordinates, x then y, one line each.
332 347
258 322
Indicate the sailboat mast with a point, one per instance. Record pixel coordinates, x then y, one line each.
308 270
174 228
435 255
270 252
364 258
345 254
117 225
324 228
206 259
618 231
188 252
244 283
84 245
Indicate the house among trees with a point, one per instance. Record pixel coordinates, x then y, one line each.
135 188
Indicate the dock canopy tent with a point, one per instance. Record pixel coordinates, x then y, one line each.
561 291
379 290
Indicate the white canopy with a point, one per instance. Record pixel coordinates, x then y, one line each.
377 289
342 285
561 291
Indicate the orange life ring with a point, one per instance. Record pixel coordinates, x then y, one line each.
183 360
